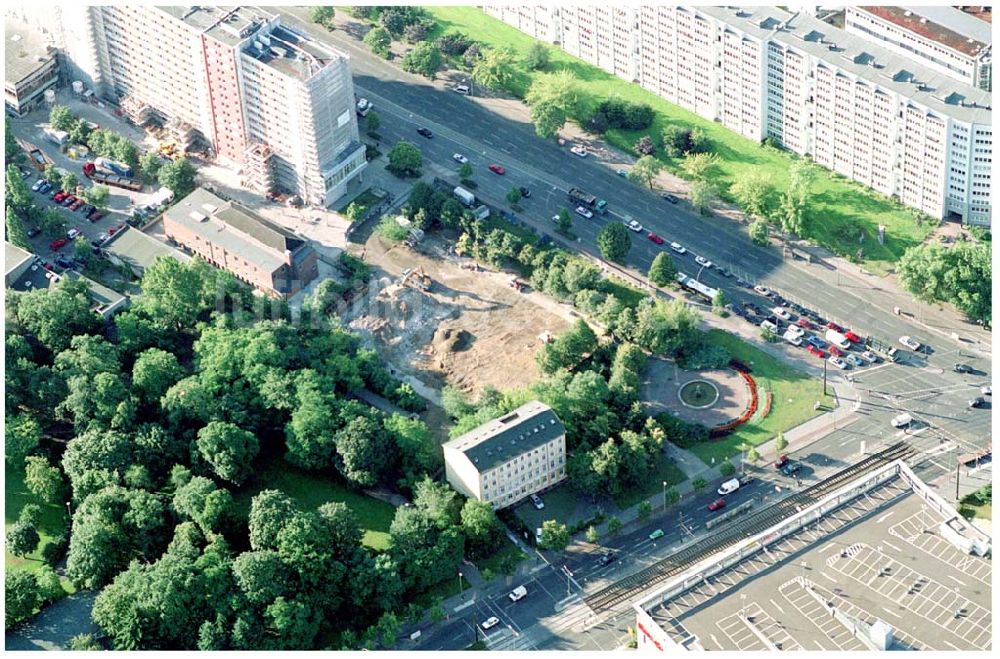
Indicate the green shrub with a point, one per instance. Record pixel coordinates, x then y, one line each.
389 229
707 356
727 468
699 484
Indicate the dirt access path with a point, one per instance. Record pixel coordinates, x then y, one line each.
469 330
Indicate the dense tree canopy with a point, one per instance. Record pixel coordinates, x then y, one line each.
962 275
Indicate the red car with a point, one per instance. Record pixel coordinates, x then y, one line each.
96 216
60 196
804 324
781 462
852 337
834 350
834 326
57 244
655 238
497 169
112 231
120 225
813 350
75 206
718 504
68 200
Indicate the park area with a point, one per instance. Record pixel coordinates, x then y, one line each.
51 524
847 209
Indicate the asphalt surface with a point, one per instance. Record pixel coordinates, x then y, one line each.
922 384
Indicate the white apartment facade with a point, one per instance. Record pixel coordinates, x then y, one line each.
262 96
847 103
944 39
538 21
507 459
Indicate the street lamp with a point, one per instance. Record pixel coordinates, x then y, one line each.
460 583
664 495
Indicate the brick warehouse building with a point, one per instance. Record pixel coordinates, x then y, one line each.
235 239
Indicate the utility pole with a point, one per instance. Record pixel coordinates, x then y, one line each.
824 377
664 496
958 472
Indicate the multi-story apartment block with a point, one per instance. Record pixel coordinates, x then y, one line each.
262 96
507 459
602 35
538 21
30 68
848 103
944 39
234 238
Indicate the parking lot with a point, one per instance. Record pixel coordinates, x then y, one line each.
883 562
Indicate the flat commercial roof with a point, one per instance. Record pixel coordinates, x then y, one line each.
291 53
236 229
495 442
229 25
14 256
135 248
948 26
22 50
861 58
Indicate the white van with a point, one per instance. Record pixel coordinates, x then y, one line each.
838 339
769 326
793 338
729 486
517 593
901 421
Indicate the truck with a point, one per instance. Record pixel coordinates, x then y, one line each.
578 196
57 137
40 160
113 167
97 176
467 198
838 339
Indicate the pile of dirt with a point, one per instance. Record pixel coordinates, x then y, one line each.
448 340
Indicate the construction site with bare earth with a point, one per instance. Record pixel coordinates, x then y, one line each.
443 319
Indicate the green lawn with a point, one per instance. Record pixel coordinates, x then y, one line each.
53 522
840 209
311 491
666 471
794 394
365 200
560 504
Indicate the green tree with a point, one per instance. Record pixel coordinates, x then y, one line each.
322 16
699 166
645 170
379 40
961 275
614 242
537 57
673 496
719 300
177 294
373 121
513 196
703 195
31 514
751 192
16 234
465 171
149 167
125 151
568 349
554 536
178 177
548 118
203 503
699 484
22 434
794 201
759 233
479 524
565 222
84 643
753 456
645 510
495 68
425 59
11 148
561 89
43 480
61 117
405 159
52 223
22 538
154 372
229 449
663 271
614 525
69 183
676 140
592 536
727 468
18 195
21 596
97 195
56 314
49 585
780 443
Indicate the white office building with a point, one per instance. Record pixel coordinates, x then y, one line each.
847 102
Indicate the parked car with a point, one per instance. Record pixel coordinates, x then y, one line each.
835 327
622 173
64 261
69 199
962 368
33 231
658 533
718 504
86 209
671 198
978 401
490 622
837 361
525 192
791 467
702 261
795 331
59 197
835 351
75 206
96 216
781 462
782 313
909 342
813 350
580 151
112 231
634 226
497 169
37 185
425 132
57 244
655 238
854 360
816 342
869 357
901 421
986 390
852 337
72 233
518 593
804 324
459 158
677 247
46 187
763 290
537 502
583 212
607 558
461 89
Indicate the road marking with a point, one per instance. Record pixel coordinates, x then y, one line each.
951 644
715 640
777 606
892 613
959 581
884 517
829 577
889 544
818 645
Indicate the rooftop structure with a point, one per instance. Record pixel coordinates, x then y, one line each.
871 566
948 26
234 238
30 68
15 261
497 441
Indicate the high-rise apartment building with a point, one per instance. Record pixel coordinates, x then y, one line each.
852 105
944 39
259 94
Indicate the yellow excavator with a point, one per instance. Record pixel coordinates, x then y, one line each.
416 276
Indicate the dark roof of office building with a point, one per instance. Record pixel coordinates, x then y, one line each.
235 228
947 26
495 442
